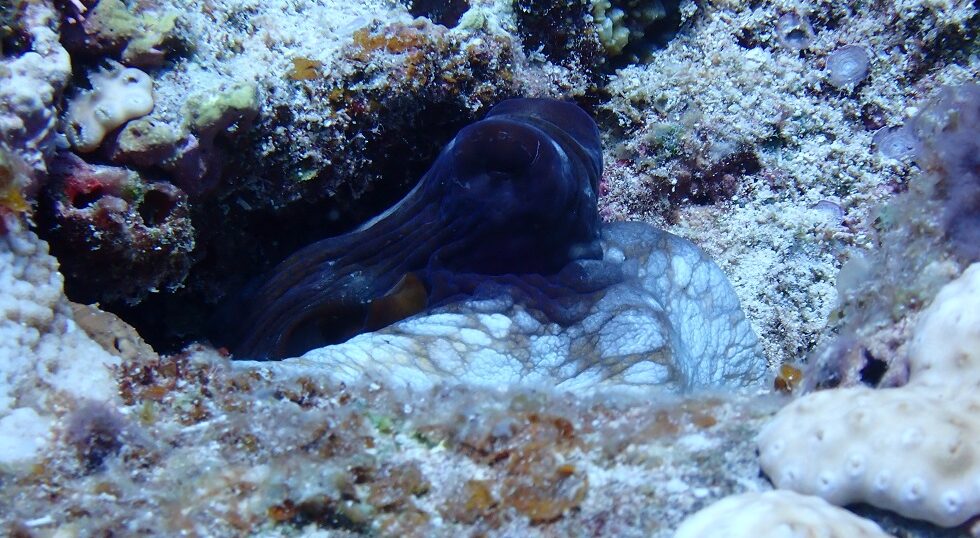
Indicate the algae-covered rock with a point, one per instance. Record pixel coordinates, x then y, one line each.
149 47
146 142
210 113
113 29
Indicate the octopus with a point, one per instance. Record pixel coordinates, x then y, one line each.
497 268
512 194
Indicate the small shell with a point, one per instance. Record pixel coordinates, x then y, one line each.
898 143
794 31
848 65
833 210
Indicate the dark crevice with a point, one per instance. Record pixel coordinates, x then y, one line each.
155 207
444 12
873 371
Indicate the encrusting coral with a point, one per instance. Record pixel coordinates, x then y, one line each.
776 514
911 449
118 95
46 360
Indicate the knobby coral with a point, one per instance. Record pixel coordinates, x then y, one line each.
911 449
773 514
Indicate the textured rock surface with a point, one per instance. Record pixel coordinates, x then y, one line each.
674 321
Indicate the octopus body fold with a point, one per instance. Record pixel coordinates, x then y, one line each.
510 202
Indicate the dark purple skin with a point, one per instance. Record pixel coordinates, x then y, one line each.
510 204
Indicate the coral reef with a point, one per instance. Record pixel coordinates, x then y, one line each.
193 152
212 122
370 82
776 514
47 363
910 449
285 121
30 87
14 178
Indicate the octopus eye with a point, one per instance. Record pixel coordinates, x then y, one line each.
496 146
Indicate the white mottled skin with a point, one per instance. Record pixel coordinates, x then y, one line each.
673 322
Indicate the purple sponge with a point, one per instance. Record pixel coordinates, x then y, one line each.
949 151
